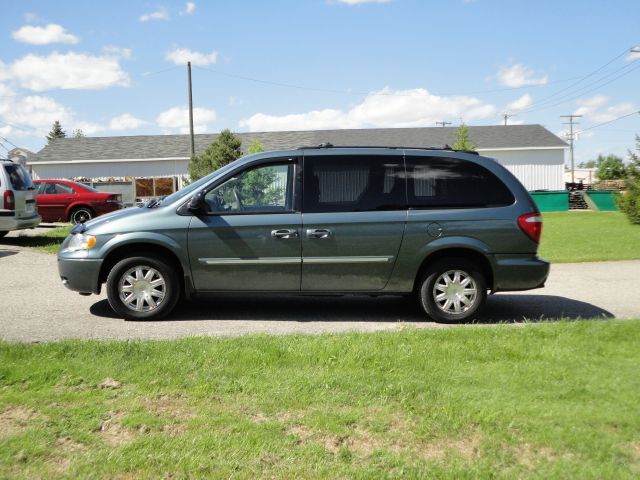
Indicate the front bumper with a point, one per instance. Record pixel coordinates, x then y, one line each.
13 223
519 272
80 274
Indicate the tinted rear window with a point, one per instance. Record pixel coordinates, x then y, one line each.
355 183
19 177
435 182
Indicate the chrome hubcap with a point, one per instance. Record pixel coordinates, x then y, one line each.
81 216
142 288
455 291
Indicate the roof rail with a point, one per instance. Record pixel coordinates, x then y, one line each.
442 147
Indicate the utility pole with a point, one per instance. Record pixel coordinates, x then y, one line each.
443 124
506 117
571 123
193 144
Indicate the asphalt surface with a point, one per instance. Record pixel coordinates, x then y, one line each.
35 307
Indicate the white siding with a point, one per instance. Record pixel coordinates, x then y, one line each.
541 169
115 168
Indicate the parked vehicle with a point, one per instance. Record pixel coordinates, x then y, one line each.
444 225
17 198
66 201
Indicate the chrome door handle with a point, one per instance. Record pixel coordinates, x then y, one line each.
318 233
284 233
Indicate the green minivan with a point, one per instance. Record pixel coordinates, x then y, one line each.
445 225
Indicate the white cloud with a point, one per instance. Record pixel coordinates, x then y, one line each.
117 52
52 33
160 14
519 75
360 2
189 8
180 56
33 116
594 109
386 108
525 101
634 54
126 121
68 71
177 119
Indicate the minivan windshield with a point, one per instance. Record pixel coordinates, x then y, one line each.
195 185
19 177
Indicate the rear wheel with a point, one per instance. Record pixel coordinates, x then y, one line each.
452 290
81 215
142 288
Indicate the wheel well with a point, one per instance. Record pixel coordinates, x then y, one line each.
471 255
142 250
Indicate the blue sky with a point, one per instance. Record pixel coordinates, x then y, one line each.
118 68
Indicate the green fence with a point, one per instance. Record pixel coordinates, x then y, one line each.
602 200
555 201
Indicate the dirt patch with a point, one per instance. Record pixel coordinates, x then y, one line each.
634 450
113 432
109 383
16 420
363 443
173 407
64 448
531 455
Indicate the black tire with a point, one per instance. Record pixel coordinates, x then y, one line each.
171 288
81 215
439 310
2 234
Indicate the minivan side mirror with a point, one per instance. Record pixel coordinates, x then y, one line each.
196 204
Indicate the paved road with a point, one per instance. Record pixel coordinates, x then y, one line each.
35 307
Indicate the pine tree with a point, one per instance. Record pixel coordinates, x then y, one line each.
56 132
462 139
78 133
223 151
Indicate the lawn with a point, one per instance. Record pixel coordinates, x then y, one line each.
549 400
588 237
48 242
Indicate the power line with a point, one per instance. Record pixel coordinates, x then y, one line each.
607 122
9 142
536 107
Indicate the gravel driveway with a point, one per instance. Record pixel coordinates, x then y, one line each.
35 307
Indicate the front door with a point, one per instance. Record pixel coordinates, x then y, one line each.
354 214
53 198
249 238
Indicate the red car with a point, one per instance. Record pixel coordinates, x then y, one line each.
62 201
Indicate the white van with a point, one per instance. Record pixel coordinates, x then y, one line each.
17 198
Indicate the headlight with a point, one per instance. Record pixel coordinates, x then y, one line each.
81 241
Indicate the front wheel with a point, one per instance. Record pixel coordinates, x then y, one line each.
142 288
81 215
452 291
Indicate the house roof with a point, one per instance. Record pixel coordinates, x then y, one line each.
177 146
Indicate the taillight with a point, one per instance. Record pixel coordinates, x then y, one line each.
9 200
531 224
115 199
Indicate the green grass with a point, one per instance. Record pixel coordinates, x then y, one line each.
550 400
588 237
48 242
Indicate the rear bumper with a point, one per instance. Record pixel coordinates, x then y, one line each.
80 274
519 272
12 223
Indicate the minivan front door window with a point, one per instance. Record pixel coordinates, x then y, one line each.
264 189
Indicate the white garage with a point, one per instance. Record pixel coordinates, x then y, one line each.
531 152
